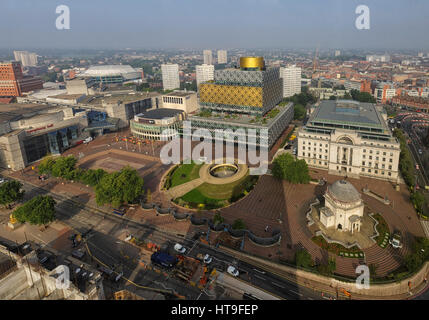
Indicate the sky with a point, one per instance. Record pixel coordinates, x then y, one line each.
211 24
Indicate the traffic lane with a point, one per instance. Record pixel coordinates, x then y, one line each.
258 277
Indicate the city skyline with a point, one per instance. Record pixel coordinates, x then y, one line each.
191 24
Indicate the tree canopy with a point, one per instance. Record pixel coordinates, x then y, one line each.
119 187
39 210
285 167
10 191
362 96
299 112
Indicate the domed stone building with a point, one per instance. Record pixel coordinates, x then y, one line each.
343 208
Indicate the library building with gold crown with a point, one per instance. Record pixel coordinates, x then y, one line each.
245 97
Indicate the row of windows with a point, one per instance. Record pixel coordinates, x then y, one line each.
378 152
376 165
320 150
377 158
315 156
173 100
377 172
315 143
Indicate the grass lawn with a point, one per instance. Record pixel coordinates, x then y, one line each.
221 191
383 230
184 173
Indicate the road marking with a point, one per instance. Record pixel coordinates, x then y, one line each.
277 285
310 298
259 277
297 293
263 272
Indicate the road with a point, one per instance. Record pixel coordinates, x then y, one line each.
102 237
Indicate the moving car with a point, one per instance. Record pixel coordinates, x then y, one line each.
2 180
420 151
233 271
179 248
395 240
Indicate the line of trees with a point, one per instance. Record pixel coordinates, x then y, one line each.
406 166
116 188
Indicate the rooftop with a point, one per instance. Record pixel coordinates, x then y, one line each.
347 111
160 113
180 93
14 111
343 191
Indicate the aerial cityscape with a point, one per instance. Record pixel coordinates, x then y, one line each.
214 151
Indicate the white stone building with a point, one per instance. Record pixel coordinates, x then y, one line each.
291 80
208 57
222 57
351 139
170 76
204 73
343 208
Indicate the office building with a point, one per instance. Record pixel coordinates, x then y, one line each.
12 81
181 100
170 76
291 80
350 138
204 73
28 59
208 58
337 53
222 57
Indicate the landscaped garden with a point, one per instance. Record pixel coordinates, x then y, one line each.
212 196
338 249
182 174
383 231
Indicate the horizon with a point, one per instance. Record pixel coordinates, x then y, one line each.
196 25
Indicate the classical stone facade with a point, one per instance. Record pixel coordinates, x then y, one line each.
357 145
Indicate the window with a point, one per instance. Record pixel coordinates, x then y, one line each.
390 160
363 163
370 157
390 167
363 169
390 173
384 159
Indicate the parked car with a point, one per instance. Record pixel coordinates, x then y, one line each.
2 180
179 248
87 140
232 271
205 258
395 240
420 151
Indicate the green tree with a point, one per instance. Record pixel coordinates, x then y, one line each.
238 225
119 187
64 167
285 167
299 112
418 200
39 210
45 166
303 259
362 96
10 191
